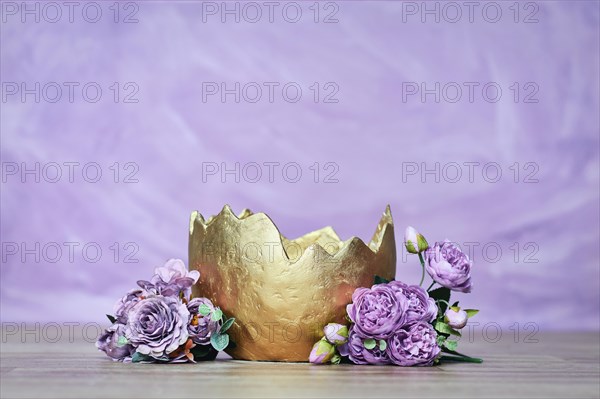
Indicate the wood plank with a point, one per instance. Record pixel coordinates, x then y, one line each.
561 365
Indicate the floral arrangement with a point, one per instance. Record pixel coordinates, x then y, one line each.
405 325
390 323
159 322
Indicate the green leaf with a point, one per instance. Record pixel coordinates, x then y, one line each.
112 319
369 343
336 359
459 357
445 329
454 352
122 341
382 345
219 341
226 325
440 340
381 280
200 350
140 357
203 352
439 295
455 304
450 344
217 314
204 309
442 327
471 312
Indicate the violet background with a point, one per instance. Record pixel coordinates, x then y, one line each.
368 134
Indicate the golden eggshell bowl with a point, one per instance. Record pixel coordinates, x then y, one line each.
282 292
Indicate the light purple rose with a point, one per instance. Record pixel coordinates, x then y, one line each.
124 305
377 311
172 279
413 345
200 328
157 326
449 266
420 306
358 354
108 342
173 271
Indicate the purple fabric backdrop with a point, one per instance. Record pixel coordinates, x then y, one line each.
371 145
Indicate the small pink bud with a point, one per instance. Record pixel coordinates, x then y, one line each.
456 318
322 352
414 241
336 334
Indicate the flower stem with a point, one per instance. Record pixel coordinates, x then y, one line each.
423 269
432 284
461 359
444 301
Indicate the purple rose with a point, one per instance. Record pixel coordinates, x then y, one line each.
173 271
420 306
358 354
108 343
200 328
124 305
413 345
157 326
377 311
172 279
449 266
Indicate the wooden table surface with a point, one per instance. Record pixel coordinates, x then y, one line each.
560 365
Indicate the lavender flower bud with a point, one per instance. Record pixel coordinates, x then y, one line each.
456 317
336 334
322 352
414 241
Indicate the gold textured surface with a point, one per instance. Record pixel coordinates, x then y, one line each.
282 292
